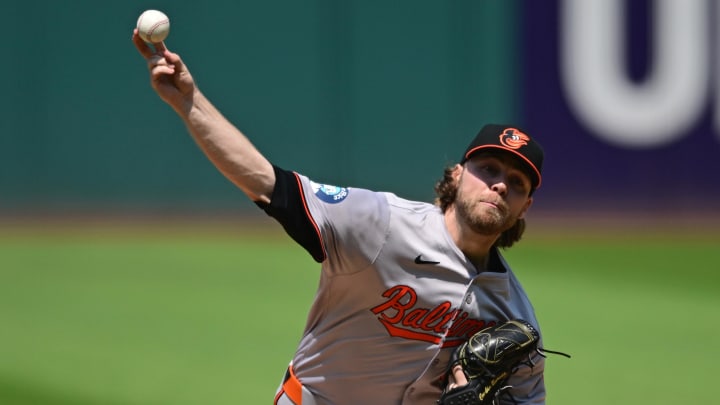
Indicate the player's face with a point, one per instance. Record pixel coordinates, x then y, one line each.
493 192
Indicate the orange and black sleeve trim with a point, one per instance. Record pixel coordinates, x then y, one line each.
291 387
288 207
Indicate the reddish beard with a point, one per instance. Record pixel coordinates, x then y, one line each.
483 218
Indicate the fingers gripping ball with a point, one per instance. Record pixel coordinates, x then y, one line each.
488 359
153 26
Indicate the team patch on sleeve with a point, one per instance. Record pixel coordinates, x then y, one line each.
329 194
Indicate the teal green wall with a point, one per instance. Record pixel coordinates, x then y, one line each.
379 94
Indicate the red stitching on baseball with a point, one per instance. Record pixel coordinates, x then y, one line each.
152 29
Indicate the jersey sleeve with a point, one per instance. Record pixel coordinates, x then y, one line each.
528 384
288 207
345 227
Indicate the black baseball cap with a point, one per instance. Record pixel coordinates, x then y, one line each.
512 139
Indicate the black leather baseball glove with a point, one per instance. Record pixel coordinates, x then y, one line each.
488 359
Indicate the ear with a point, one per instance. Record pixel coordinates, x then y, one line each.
525 209
457 172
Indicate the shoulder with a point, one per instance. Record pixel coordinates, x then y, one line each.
403 204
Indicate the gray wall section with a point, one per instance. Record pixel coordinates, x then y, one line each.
379 94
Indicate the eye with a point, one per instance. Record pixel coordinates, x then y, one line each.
518 183
490 168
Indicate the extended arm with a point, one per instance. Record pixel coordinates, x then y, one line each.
226 147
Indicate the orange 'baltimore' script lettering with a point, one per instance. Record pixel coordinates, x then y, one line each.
400 316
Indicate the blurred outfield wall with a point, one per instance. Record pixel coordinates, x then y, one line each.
379 94
625 95
369 93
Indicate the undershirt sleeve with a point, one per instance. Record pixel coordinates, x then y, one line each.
288 207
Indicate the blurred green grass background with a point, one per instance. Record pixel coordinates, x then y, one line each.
113 313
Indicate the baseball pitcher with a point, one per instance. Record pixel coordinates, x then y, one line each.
415 303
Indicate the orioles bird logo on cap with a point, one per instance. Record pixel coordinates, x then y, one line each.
513 139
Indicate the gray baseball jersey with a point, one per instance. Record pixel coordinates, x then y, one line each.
395 297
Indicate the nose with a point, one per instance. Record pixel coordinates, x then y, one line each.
500 186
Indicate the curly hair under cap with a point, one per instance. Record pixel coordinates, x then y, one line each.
446 192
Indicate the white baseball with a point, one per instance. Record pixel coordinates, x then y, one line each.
153 26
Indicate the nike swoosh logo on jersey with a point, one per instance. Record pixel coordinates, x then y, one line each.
420 260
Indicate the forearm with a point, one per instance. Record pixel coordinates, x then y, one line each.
228 149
